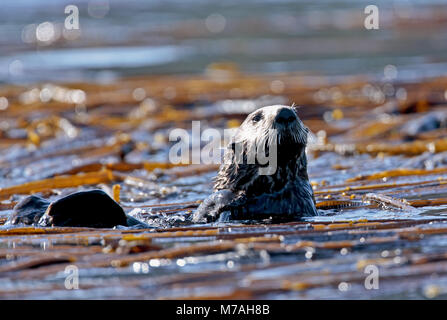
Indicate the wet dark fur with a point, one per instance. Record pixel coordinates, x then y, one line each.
92 208
241 193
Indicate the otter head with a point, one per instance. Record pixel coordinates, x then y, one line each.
273 124
270 142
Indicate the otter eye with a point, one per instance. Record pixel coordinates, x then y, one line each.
257 117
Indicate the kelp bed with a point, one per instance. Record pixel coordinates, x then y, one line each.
377 161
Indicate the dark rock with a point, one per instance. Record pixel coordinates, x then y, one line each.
29 210
93 209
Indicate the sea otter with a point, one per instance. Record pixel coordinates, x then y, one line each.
247 190
246 187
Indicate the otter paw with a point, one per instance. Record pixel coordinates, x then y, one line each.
212 208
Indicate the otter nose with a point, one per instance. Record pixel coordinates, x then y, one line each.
285 116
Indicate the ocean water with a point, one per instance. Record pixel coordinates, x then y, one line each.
118 38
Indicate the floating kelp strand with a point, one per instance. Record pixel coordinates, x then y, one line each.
169 206
423 192
68 232
335 279
368 187
337 204
28 250
59 182
410 148
37 230
398 173
431 202
192 170
386 202
57 149
36 262
7 206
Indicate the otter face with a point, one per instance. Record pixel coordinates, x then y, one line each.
268 141
276 123
282 118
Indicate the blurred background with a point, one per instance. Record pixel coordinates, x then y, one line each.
116 38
